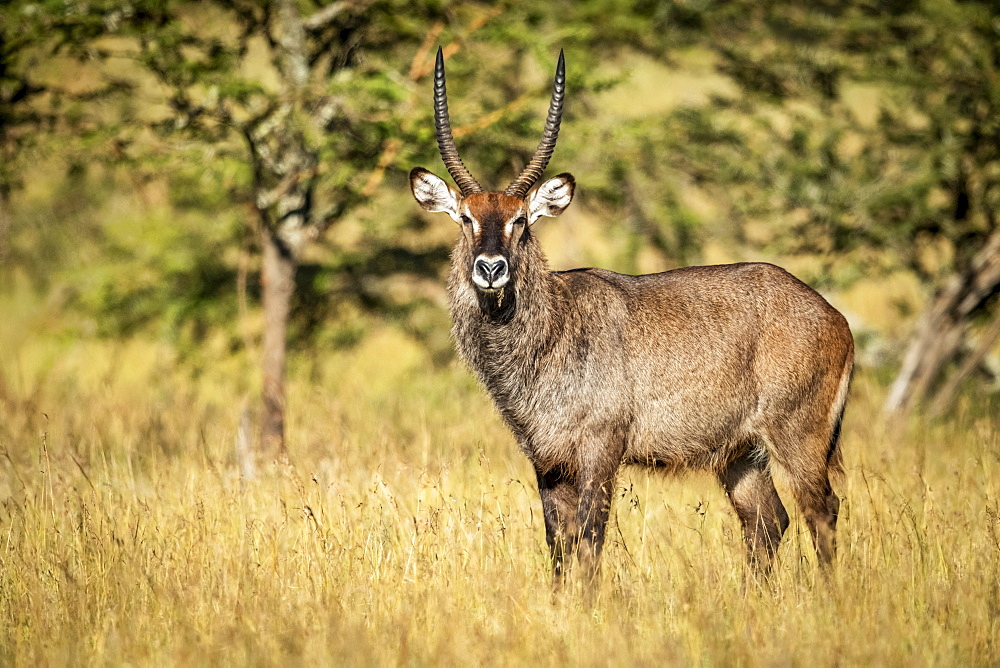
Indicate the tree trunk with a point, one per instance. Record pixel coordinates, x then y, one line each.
938 336
244 449
286 190
943 328
945 397
278 278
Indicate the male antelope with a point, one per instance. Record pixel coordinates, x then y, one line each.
735 369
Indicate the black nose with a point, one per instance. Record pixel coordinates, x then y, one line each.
491 269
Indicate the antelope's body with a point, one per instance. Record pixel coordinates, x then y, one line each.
731 368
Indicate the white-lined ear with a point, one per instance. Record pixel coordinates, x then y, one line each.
433 194
551 198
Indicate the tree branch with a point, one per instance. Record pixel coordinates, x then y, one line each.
292 54
325 16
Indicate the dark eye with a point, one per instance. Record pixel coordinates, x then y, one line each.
521 220
466 220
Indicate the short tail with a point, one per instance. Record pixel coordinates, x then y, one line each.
834 457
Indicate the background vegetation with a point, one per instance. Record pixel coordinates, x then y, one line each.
154 152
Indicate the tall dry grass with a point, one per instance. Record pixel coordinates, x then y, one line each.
409 532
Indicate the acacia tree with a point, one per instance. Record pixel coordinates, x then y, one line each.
317 139
319 100
310 97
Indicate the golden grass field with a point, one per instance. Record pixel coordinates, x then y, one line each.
408 531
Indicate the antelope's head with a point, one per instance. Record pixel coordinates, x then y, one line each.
494 223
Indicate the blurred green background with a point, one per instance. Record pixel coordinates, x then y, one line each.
153 150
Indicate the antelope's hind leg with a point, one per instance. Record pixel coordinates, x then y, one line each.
820 507
748 484
805 461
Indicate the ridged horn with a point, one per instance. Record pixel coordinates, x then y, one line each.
533 170
446 143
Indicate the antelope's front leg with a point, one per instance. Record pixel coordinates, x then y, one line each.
559 505
597 482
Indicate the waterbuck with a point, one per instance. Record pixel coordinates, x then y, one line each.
735 369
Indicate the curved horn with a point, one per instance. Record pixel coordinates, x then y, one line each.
446 143
533 170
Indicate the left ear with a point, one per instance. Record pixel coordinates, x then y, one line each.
433 194
551 198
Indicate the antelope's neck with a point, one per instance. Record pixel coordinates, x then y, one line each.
504 343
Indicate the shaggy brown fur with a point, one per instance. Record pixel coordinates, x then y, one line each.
732 369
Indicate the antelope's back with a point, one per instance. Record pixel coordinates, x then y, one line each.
712 351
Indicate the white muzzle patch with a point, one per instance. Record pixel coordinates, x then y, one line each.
490 272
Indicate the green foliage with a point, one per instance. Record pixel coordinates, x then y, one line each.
840 186
168 272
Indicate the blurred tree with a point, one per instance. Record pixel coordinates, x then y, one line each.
869 132
33 104
308 95
16 87
320 100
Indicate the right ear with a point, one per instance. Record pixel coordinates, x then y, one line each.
551 198
433 194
